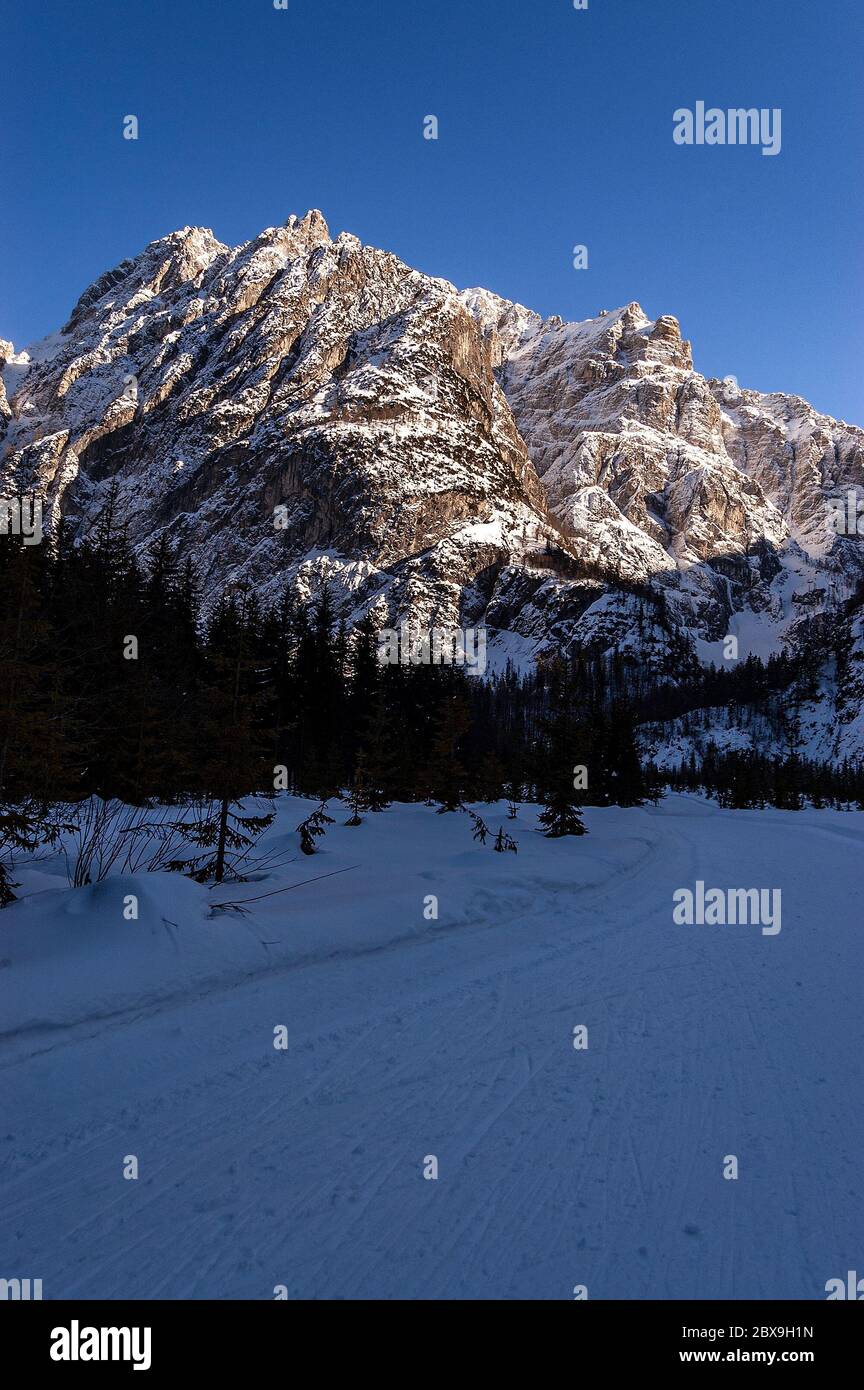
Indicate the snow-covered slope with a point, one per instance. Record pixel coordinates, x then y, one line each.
716 496
297 402
304 408
452 1037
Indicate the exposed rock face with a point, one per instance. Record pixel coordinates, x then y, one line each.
716 497
319 377
302 408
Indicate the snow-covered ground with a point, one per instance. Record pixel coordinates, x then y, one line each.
410 1037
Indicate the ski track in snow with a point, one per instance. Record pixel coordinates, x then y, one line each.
556 1167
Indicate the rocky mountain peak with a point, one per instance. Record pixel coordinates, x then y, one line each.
311 230
298 410
165 264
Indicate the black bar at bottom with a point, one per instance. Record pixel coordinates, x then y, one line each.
67 1338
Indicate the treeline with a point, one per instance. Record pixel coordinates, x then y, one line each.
747 778
748 682
112 686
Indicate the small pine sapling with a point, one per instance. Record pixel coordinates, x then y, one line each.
312 827
504 842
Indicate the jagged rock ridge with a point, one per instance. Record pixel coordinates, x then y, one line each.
449 456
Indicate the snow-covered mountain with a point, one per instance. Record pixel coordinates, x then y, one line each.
303 407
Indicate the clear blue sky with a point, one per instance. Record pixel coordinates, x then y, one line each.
555 129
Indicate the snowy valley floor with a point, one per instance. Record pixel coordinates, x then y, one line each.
406 1038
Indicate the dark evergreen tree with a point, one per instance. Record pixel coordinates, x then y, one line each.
312 828
233 719
561 813
445 775
377 754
